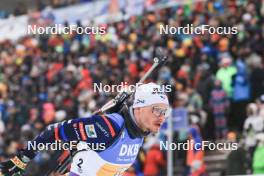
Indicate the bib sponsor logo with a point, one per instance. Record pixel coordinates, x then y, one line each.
129 150
76 131
102 129
90 131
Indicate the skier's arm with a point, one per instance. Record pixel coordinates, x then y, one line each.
96 129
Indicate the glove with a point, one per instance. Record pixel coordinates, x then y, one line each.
14 166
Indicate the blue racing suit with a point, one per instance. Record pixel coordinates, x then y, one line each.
114 141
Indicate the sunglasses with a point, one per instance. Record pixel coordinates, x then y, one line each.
158 111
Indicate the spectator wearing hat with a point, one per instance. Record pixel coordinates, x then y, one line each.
253 126
225 74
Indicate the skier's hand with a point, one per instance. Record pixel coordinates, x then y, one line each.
14 166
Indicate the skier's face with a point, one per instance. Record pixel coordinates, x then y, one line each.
150 118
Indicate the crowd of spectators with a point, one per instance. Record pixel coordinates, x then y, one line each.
50 78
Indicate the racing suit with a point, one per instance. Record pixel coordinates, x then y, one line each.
114 142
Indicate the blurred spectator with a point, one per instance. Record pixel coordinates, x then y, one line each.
240 96
195 105
241 91
253 126
236 163
195 102
219 104
257 78
258 164
204 85
195 156
225 74
260 103
154 161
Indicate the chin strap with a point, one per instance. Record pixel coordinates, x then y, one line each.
130 124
